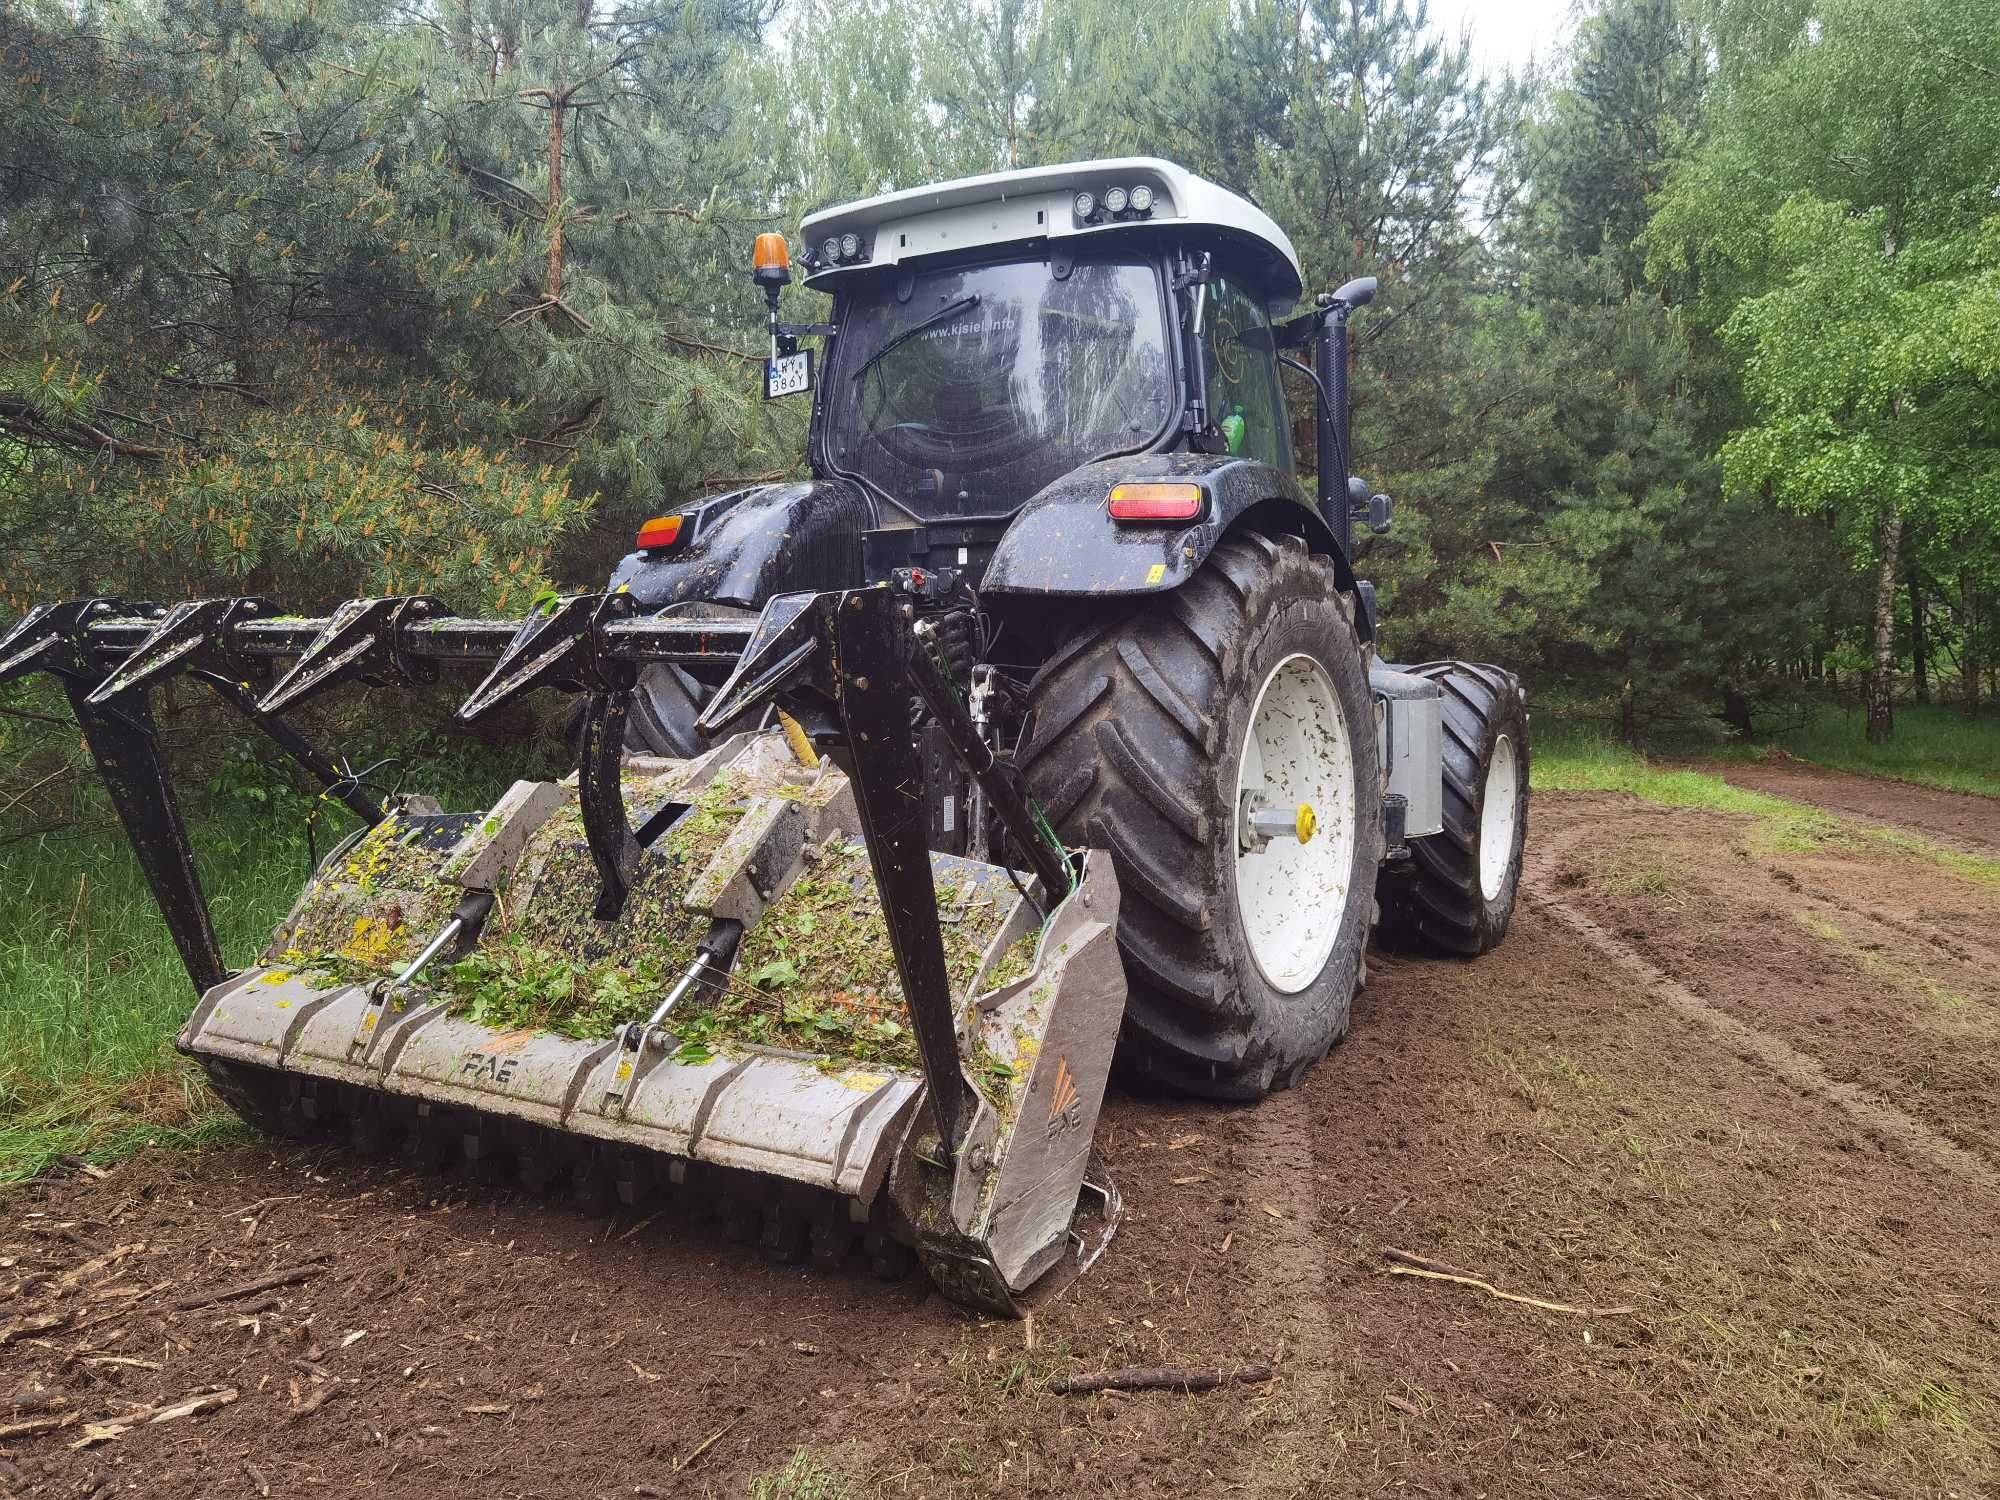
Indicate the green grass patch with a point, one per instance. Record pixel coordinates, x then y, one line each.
1933 746
1569 757
1572 758
92 988
803 1477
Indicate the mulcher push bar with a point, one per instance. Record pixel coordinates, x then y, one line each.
847 662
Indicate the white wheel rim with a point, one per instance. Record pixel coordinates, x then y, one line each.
1291 893
1501 809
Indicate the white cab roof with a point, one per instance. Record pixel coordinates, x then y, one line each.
1034 203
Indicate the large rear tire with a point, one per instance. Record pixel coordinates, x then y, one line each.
1151 736
660 719
1457 898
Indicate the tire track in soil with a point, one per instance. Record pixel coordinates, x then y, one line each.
1801 1072
1292 1280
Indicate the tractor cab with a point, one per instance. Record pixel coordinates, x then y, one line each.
1058 382
995 334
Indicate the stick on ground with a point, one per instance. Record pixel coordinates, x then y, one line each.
35 1425
1159 1378
1493 1291
1422 1263
34 1323
290 1276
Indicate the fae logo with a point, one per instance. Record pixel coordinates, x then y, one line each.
1065 1105
495 1061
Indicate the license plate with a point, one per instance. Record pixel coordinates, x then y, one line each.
788 375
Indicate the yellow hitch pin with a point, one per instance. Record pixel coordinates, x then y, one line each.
795 736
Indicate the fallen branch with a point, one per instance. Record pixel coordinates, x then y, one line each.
69 1281
105 1432
33 1323
706 1443
1422 1263
318 1399
188 1406
290 1276
1493 1291
1163 1378
35 1426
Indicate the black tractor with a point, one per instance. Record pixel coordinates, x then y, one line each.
1046 403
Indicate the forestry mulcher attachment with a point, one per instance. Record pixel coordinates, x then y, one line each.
1042 722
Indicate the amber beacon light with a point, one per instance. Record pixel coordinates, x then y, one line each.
661 531
771 260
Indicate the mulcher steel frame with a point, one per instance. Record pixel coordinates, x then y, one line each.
856 653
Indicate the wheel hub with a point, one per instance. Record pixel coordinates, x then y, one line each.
1295 823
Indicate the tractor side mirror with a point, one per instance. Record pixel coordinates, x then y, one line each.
1376 511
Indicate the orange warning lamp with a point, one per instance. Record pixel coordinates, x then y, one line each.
771 261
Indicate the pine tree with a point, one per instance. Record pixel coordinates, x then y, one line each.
309 298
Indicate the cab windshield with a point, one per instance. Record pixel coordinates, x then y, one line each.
990 381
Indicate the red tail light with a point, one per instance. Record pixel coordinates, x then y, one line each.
661 531
1155 502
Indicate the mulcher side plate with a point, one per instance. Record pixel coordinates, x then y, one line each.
988 1227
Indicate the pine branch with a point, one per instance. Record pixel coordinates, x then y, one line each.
20 419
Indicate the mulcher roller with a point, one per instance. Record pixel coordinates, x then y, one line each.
798 1145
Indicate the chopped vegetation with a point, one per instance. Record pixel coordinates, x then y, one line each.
1016 961
803 1477
816 974
372 908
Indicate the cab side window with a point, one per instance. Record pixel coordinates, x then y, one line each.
1244 399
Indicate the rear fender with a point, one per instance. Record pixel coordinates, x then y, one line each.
745 546
1064 542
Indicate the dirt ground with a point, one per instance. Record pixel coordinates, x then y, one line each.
1738 1112
1956 820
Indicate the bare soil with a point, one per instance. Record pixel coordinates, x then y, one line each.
1960 820
1741 1110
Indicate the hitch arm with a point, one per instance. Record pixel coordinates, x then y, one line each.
870 641
1020 818
118 728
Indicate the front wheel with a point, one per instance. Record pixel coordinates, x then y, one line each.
1456 899
1220 744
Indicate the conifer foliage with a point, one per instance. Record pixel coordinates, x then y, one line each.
1683 369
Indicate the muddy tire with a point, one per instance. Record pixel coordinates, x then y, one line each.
1457 897
661 718
1241 964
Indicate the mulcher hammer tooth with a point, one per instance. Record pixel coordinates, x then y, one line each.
361 639
193 636
561 648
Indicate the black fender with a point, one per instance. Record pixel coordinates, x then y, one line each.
1064 542
745 546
